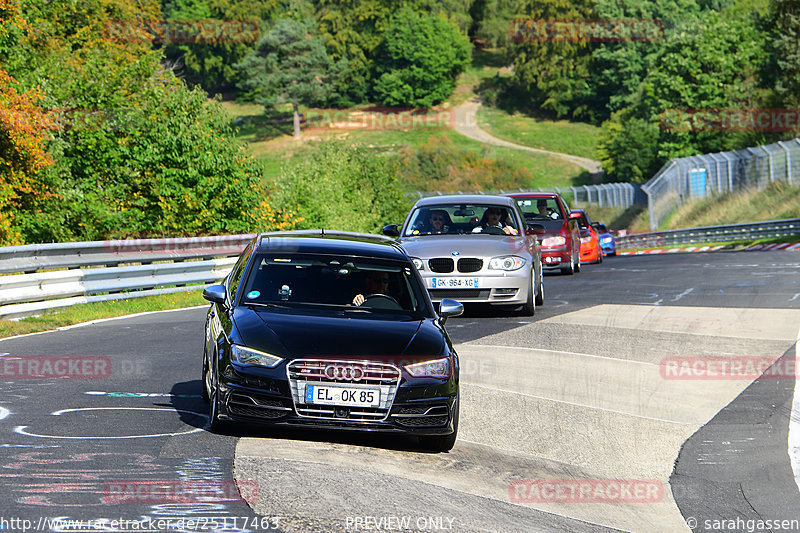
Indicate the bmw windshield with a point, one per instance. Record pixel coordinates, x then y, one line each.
457 219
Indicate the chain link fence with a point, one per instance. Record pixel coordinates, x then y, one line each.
687 178
607 195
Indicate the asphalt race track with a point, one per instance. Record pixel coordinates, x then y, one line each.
581 418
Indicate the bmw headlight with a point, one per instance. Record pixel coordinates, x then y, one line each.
506 262
418 263
248 356
608 239
436 368
586 239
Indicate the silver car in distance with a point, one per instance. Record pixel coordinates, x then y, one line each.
474 249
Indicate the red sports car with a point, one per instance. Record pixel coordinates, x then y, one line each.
591 252
548 214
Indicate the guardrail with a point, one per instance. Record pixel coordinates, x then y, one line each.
604 195
152 266
708 234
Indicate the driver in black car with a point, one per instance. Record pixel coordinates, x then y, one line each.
374 283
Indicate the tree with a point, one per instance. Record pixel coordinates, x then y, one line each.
628 148
786 50
212 64
492 19
289 65
125 149
420 58
553 73
712 61
364 185
24 129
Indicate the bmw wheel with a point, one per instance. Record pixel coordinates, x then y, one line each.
540 294
529 309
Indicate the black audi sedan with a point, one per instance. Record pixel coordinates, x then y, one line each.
330 330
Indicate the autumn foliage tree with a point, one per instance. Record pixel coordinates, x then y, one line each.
24 128
99 140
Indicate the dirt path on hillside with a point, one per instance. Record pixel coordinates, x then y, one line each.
466 123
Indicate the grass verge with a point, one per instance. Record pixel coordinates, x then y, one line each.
76 314
563 136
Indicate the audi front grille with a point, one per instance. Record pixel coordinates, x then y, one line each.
356 374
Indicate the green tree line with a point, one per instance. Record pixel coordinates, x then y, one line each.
99 140
694 55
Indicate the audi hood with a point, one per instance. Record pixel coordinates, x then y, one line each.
289 336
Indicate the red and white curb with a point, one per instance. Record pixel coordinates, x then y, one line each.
674 250
793 246
784 246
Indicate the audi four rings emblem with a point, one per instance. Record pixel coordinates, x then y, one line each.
350 372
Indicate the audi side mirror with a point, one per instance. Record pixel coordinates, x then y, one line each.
391 230
448 308
215 294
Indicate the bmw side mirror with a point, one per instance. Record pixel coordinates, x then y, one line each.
215 294
391 230
449 308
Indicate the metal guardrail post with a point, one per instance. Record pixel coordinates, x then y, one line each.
730 170
788 162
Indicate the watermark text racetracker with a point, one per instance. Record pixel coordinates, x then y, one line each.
197 523
202 31
743 120
613 30
156 492
585 491
728 368
55 367
379 119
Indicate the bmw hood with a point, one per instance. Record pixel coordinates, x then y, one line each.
293 335
467 245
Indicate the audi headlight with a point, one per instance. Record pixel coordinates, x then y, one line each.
586 239
418 263
248 356
506 262
436 368
554 241
608 239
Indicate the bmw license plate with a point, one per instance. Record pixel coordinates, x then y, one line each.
455 283
349 396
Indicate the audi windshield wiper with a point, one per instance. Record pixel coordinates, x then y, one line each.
265 304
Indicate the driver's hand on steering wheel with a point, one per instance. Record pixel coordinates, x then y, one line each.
359 299
509 230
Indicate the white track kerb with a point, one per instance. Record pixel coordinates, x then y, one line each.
794 422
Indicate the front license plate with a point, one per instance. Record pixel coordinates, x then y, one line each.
350 396
455 283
